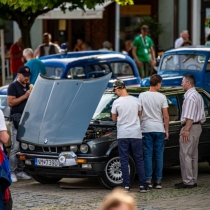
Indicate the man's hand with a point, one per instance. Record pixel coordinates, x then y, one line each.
138 63
154 62
27 94
185 136
167 135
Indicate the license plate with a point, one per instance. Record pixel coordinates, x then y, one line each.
46 162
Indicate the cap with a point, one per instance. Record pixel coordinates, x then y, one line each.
25 70
145 28
118 84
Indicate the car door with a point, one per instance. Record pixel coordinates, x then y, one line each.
172 145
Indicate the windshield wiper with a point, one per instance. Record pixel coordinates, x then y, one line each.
187 58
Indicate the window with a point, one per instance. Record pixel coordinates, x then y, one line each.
54 72
192 62
122 70
98 70
76 73
173 108
206 105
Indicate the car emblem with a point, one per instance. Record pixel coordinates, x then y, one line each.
45 141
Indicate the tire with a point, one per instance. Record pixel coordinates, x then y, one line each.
112 173
45 180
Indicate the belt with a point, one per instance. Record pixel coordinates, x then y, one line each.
193 123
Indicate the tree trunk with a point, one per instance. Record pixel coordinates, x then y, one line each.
26 37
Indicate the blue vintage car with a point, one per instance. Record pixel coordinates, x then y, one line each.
185 60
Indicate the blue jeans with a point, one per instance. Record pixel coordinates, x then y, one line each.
124 147
153 143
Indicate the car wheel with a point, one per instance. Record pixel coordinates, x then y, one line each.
112 175
45 180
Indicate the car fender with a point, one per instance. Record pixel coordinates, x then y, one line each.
112 147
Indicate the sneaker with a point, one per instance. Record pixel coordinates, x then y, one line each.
182 185
22 175
149 184
13 177
157 185
127 189
144 189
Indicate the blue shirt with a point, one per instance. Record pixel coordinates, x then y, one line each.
36 66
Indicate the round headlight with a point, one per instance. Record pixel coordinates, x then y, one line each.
31 147
73 148
84 148
24 146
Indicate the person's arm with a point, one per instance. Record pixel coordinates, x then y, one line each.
186 131
138 63
166 121
4 137
114 117
153 55
13 101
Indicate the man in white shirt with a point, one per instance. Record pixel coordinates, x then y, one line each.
154 125
126 111
183 37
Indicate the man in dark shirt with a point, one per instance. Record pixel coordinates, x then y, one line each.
18 93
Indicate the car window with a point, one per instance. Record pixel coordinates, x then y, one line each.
76 73
4 106
193 62
98 70
173 108
54 72
122 70
206 104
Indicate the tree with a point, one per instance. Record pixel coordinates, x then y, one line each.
25 12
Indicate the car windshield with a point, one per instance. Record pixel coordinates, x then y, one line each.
4 106
54 72
193 62
103 111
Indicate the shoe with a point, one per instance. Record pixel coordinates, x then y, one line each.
13 177
127 189
22 175
144 189
182 185
157 185
149 184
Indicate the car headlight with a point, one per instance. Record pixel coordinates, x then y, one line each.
24 146
73 148
84 148
31 147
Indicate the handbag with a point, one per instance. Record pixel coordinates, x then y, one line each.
16 119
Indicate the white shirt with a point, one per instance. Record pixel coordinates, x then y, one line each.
128 123
193 107
178 42
2 125
152 104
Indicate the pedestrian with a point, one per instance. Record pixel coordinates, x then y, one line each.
186 43
106 46
18 93
5 178
118 199
36 66
128 48
78 45
184 36
126 111
16 57
192 117
47 48
155 127
142 48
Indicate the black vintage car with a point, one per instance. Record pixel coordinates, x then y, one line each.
61 136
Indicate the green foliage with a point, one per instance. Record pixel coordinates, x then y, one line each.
155 27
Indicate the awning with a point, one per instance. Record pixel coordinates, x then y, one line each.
76 14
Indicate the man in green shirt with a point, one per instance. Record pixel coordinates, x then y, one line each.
142 47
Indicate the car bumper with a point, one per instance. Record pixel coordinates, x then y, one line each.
96 170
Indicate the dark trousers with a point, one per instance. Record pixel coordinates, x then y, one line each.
124 147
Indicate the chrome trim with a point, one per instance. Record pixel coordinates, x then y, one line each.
49 149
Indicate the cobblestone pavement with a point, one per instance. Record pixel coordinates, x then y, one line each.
30 195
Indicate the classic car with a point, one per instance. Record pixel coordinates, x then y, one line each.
185 60
69 135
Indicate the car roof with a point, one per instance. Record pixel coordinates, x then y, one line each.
86 59
191 48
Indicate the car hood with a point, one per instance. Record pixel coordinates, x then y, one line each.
58 112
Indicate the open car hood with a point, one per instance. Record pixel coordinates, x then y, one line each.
58 112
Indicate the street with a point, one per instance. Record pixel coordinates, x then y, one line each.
88 194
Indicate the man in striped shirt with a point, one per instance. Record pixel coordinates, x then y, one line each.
192 117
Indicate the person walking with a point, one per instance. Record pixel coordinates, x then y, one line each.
192 117
47 48
18 93
184 36
155 127
16 57
36 66
126 111
142 48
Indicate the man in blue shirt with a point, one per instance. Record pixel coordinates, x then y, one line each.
36 66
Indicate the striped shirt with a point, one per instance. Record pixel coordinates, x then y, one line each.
193 107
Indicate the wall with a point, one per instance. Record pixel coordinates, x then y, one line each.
182 16
166 18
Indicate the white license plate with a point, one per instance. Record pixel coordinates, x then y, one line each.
46 162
